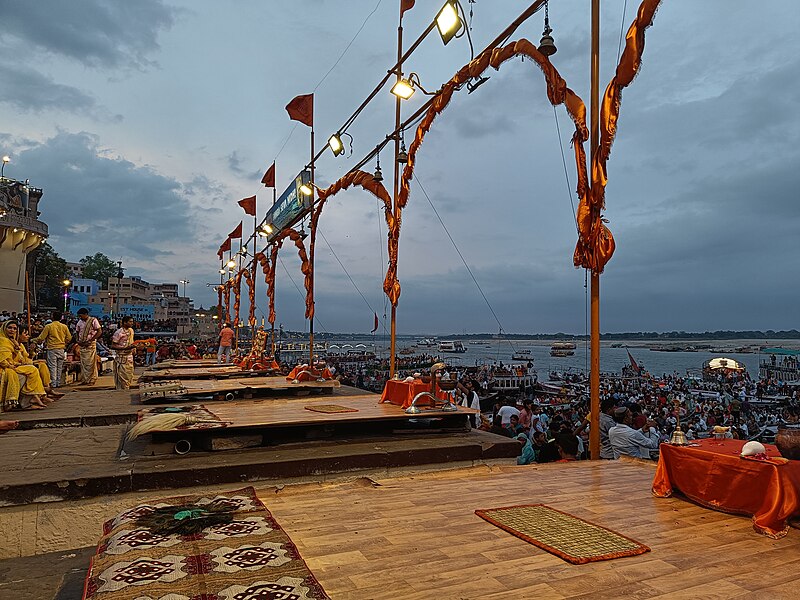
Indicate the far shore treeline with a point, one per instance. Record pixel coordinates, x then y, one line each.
769 334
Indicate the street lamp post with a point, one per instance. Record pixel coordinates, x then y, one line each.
66 283
6 159
119 285
184 282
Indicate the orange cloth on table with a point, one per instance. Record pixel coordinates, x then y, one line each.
402 392
309 375
715 476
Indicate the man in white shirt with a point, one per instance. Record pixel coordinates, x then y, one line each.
632 442
505 413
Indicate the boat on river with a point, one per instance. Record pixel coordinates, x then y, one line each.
562 349
451 346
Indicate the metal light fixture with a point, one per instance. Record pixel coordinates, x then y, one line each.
403 89
546 45
6 159
448 22
266 230
222 271
231 263
378 176
306 189
336 145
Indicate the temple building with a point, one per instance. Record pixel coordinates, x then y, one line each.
21 231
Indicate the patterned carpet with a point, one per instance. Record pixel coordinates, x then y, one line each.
248 558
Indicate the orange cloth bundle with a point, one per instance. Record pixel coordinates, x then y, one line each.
402 392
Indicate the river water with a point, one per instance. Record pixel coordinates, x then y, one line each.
611 359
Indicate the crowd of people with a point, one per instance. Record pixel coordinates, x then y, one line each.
637 414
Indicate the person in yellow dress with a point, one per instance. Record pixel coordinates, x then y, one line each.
14 361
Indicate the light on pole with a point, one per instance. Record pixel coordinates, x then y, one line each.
184 282
66 283
119 285
6 159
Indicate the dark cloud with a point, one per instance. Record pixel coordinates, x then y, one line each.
96 202
94 32
28 90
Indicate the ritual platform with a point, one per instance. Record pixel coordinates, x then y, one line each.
229 388
76 447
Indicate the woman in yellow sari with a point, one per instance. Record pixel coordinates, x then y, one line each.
23 337
14 361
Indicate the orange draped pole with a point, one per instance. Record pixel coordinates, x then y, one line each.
594 143
397 109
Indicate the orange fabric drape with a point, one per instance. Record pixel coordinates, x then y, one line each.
237 296
251 295
227 300
557 92
595 243
305 269
713 475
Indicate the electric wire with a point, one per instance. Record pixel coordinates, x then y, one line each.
300 292
346 272
324 77
461 256
566 171
621 29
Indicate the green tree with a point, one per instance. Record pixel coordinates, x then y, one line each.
47 272
100 268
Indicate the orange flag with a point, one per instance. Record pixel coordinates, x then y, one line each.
249 205
406 5
375 326
226 245
301 108
236 234
269 177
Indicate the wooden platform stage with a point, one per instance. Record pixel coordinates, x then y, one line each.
296 412
76 447
236 425
228 389
215 372
416 537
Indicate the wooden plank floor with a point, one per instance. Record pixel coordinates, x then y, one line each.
417 537
204 387
281 412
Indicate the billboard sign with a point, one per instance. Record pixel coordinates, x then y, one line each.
140 312
290 206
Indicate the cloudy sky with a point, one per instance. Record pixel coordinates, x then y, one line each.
146 121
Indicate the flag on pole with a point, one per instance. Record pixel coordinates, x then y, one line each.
269 177
236 234
375 327
249 205
634 365
406 5
226 245
301 108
